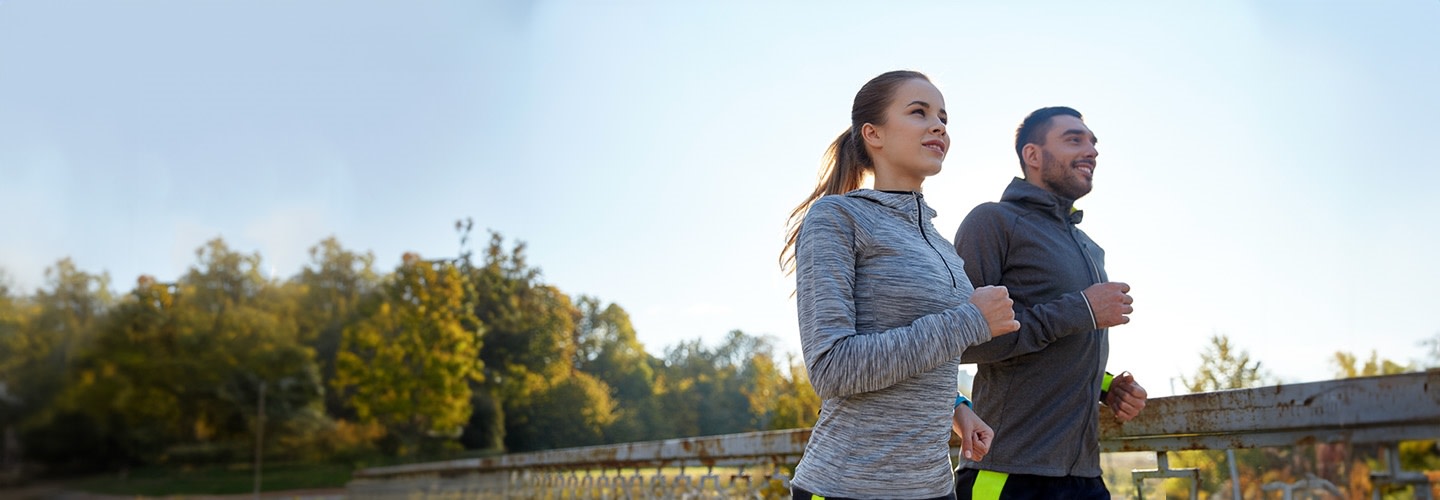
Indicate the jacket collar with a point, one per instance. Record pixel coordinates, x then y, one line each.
904 202
1023 192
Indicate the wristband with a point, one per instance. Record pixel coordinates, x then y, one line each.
1105 386
960 399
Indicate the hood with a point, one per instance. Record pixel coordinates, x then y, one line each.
1023 192
904 203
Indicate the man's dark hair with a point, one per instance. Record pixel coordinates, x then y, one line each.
1036 126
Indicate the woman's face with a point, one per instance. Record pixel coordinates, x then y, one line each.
912 143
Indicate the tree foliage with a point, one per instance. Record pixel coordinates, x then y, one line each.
409 362
476 351
176 368
1224 366
1347 365
326 297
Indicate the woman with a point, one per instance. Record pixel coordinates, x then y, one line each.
884 304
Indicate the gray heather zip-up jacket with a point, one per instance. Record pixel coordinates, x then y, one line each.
1038 387
884 315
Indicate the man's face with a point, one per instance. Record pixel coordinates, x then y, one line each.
1067 166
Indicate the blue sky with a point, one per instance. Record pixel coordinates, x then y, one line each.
1265 167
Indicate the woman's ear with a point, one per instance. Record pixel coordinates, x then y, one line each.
873 136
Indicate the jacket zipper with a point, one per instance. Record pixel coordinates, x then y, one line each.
920 224
1094 272
1094 269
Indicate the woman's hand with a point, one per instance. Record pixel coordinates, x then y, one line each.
975 434
999 311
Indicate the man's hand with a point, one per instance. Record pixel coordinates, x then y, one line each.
1110 302
975 434
999 310
1126 397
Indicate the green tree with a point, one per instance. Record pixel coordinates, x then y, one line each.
528 324
1348 366
1414 455
409 363
1223 366
1431 347
798 405
703 391
45 335
14 348
607 347
176 369
237 341
529 345
66 313
329 291
574 410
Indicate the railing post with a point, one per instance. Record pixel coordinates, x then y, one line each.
1311 482
1163 471
1394 475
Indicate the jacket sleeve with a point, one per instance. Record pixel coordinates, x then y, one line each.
983 241
841 361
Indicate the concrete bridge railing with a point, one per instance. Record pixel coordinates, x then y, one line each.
1383 410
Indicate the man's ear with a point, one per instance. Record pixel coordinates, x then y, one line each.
872 135
1034 157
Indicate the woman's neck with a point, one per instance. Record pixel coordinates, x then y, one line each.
897 185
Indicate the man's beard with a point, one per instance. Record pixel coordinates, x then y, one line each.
1063 180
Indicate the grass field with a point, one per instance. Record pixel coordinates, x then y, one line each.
219 480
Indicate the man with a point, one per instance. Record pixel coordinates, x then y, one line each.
1039 387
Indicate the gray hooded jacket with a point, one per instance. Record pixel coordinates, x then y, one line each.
884 315
1038 387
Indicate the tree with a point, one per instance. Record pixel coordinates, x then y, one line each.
1348 366
14 347
702 390
574 410
1414 455
529 344
40 340
606 347
1432 351
409 363
798 405
329 291
176 368
13 343
1222 367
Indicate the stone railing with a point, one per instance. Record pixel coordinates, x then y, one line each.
1384 410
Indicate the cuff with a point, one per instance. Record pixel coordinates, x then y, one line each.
960 399
1094 325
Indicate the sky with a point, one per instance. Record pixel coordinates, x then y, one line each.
1264 167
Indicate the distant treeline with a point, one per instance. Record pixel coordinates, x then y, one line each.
435 356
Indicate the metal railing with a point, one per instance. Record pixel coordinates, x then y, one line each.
1384 410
